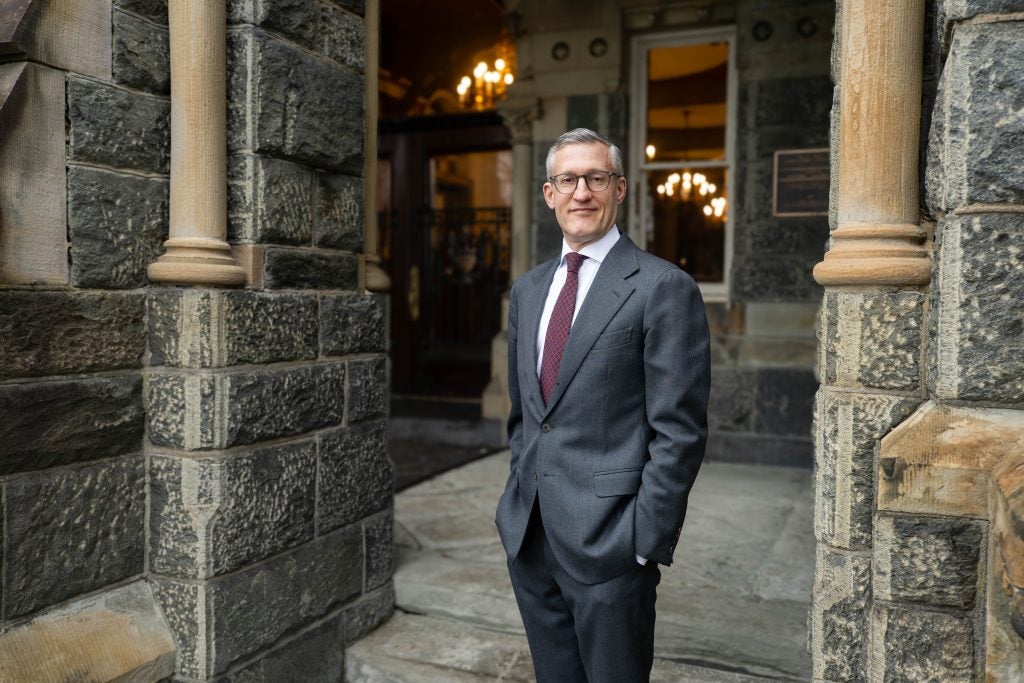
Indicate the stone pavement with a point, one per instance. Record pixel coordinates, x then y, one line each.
733 607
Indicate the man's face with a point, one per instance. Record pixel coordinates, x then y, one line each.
584 215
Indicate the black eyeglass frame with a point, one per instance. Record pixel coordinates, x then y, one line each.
586 181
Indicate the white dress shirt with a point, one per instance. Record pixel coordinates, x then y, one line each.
596 253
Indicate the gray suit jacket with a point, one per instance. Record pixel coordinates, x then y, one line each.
613 454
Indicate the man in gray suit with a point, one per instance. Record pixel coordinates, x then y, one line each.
609 377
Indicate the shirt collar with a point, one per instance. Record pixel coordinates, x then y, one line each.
597 250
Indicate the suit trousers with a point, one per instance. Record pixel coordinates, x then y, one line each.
583 633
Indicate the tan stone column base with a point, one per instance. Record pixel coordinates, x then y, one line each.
197 261
876 255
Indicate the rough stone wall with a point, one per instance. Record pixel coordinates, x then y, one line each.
905 574
227 446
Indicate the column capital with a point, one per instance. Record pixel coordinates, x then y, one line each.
519 115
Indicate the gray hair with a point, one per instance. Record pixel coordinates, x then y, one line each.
583 136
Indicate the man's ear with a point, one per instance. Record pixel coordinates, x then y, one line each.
620 190
549 195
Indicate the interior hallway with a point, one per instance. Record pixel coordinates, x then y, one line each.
733 607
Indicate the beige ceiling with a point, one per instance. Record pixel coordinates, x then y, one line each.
683 60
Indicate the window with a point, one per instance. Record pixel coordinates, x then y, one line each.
681 146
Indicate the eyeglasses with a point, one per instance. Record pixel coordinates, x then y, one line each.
597 181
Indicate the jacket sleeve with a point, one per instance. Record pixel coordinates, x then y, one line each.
677 378
515 418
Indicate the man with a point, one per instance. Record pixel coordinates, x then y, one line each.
609 378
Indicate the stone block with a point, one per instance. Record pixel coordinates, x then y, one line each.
352 323
971 157
367 395
73 35
368 612
957 10
151 9
94 537
47 424
839 615
116 224
305 108
342 37
213 328
316 655
978 352
760 449
357 6
927 560
871 340
785 401
339 212
915 645
356 476
297 20
33 175
141 54
731 405
117 634
309 269
218 623
56 333
774 278
848 428
269 200
379 549
193 411
114 127
210 516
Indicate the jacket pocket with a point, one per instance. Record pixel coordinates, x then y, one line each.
613 338
625 482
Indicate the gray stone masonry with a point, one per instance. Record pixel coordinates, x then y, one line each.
71 530
61 422
916 645
221 409
140 56
285 268
200 328
269 200
367 394
213 515
307 109
975 321
117 224
848 427
839 615
111 126
927 560
155 10
353 323
871 340
356 478
975 133
339 212
56 333
222 622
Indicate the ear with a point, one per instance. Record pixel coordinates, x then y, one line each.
549 195
620 190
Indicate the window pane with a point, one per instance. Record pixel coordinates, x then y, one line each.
686 102
689 209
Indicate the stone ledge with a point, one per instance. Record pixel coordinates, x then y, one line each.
117 635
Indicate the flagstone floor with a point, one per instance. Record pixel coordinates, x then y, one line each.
733 607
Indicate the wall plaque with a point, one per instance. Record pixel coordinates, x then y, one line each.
800 182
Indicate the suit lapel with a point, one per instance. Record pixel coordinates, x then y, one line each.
534 308
607 293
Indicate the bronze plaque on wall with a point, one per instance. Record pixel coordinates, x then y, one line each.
800 182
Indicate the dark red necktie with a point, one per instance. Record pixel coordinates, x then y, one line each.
558 327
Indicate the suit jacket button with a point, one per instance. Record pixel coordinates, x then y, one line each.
545 428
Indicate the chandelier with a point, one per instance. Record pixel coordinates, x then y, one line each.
695 187
488 83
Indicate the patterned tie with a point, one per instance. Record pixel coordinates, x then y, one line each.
558 327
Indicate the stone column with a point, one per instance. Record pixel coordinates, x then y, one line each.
197 250
519 118
376 279
878 240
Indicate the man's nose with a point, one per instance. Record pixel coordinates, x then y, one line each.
582 189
